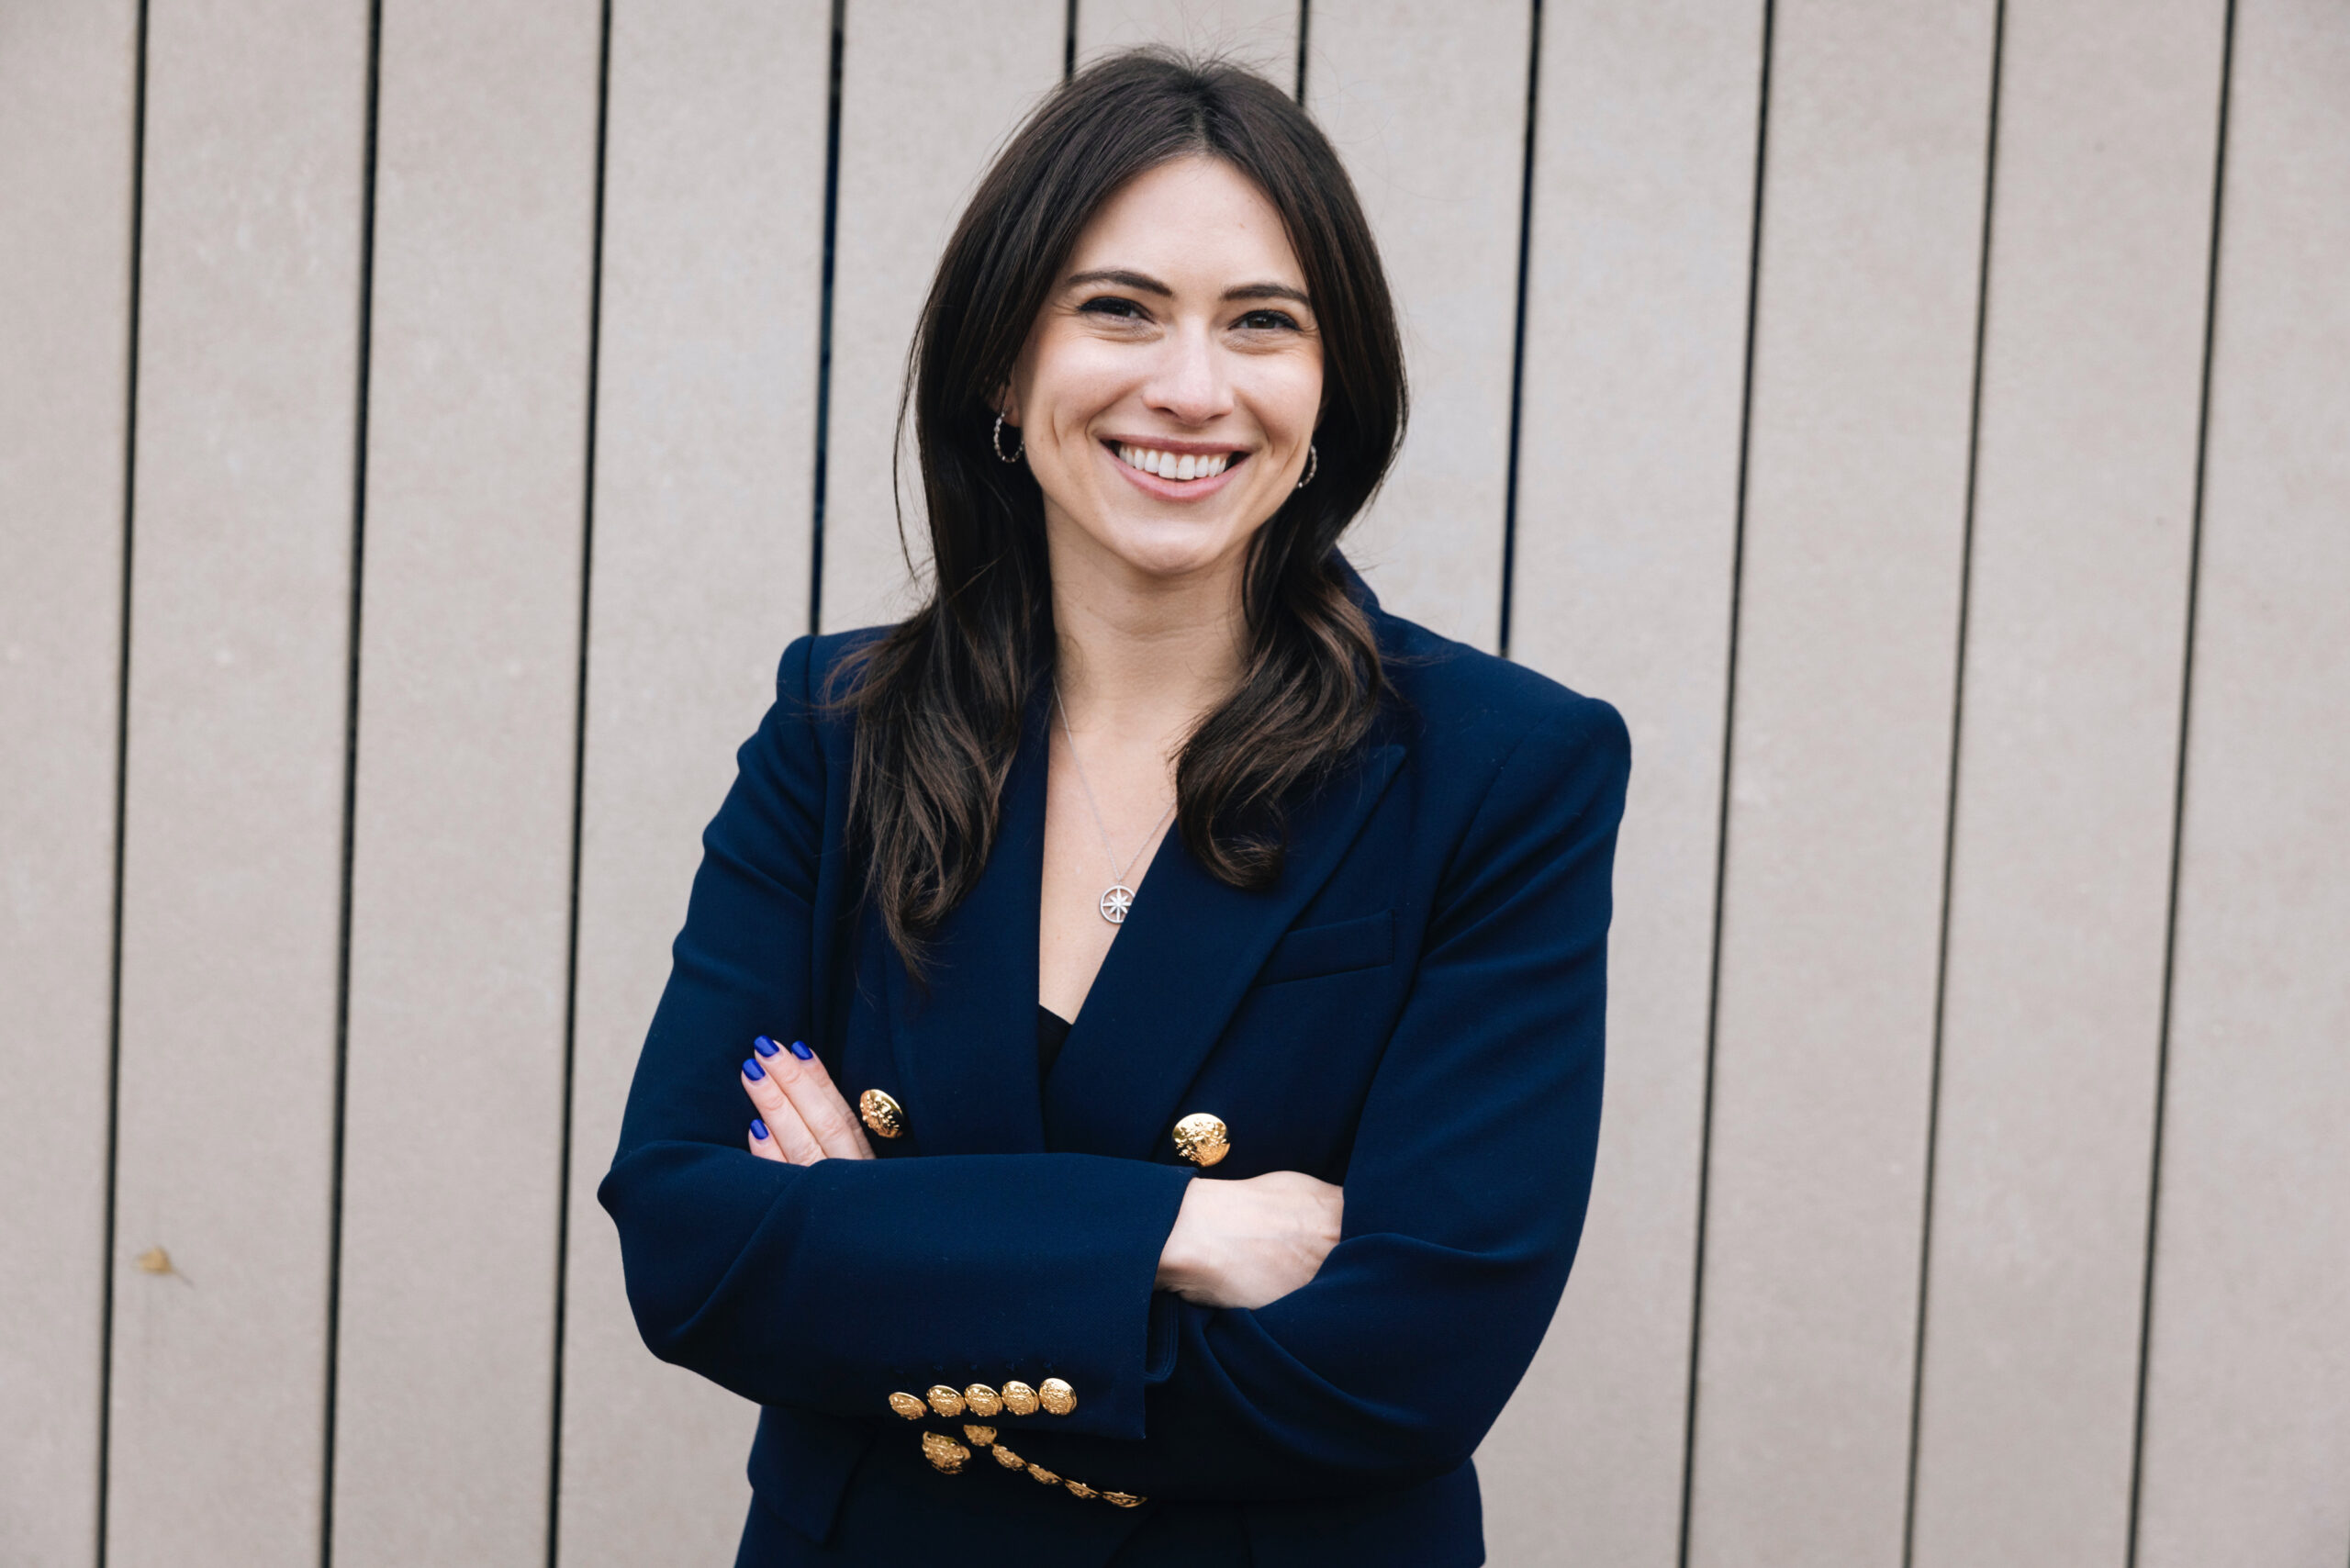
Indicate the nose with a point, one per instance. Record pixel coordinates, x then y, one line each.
1189 383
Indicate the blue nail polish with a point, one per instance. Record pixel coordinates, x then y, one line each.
758 1129
765 1046
800 1048
752 1069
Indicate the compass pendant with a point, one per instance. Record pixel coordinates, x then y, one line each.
1116 902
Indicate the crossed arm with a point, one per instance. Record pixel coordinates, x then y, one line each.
1235 1244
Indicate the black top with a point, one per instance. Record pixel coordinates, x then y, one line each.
1052 1034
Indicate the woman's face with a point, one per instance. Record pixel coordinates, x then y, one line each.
1170 386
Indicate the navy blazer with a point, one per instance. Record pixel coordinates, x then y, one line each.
1413 1010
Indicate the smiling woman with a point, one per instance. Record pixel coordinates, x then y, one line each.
1220 1182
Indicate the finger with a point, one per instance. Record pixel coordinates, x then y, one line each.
821 1103
784 1126
763 1144
801 1074
791 1135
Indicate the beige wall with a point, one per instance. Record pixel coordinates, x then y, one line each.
1928 420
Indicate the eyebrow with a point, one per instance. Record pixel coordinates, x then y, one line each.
1143 283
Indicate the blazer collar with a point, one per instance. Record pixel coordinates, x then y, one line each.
1179 968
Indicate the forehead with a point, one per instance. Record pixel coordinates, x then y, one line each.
1191 221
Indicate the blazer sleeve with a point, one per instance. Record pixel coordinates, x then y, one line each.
827 1287
1465 1194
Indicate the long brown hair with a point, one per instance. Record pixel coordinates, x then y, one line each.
940 698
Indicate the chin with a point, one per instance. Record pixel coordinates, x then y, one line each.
1176 550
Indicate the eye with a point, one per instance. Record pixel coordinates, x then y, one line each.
1114 306
1268 321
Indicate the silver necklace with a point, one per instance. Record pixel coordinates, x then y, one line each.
1118 898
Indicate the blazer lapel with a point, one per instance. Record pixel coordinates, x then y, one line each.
966 1050
1178 968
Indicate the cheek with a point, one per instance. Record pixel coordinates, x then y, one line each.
1073 384
1287 395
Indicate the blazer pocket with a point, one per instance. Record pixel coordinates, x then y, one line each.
1342 945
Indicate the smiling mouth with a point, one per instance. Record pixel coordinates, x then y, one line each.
1174 466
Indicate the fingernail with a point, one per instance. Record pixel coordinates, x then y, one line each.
752 1069
758 1129
765 1046
800 1048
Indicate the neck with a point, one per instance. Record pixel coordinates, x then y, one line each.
1145 654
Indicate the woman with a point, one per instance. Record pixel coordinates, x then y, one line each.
1221 1240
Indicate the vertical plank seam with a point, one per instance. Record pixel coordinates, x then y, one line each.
578 787
824 322
1305 29
1068 41
1949 786
2178 785
121 787
350 783
1721 824
1517 342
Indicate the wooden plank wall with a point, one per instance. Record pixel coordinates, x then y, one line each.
481 307
242 543
67 119
1927 419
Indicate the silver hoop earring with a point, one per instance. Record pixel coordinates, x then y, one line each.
997 442
1313 464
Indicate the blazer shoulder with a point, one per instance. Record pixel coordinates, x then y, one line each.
813 674
1466 702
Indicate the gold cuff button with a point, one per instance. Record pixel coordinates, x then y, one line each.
1045 1477
1006 1457
983 1400
880 1113
946 1401
1123 1499
1201 1138
1057 1397
981 1437
906 1405
1080 1489
944 1452
1020 1399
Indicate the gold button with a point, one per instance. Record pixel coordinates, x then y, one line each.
1046 1477
1019 1398
906 1405
1057 1397
1201 1138
1006 1457
944 1452
983 1400
981 1435
880 1113
946 1401
1123 1499
1081 1489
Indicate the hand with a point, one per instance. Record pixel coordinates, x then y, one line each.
1246 1243
802 1116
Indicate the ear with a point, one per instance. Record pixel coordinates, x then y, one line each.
1004 401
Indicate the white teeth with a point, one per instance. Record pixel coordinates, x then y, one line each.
1168 465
